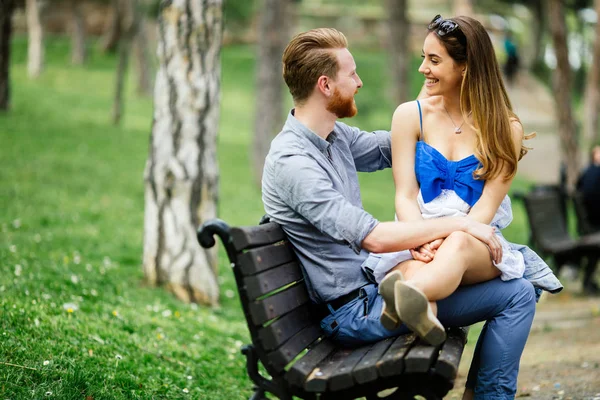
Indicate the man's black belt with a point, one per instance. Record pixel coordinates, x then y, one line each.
343 300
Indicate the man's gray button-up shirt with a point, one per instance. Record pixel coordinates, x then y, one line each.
310 187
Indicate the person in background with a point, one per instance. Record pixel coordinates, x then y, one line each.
511 66
589 187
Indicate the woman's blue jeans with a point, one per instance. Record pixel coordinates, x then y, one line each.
506 307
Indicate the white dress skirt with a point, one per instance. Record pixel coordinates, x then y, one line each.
449 204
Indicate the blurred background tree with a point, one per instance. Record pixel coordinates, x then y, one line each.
6 10
273 35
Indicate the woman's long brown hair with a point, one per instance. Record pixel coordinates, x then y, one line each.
483 93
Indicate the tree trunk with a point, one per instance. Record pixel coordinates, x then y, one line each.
539 27
181 175
592 94
562 93
130 15
273 37
462 7
35 54
143 62
78 53
6 9
398 42
112 32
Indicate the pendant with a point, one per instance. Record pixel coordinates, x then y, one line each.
457 130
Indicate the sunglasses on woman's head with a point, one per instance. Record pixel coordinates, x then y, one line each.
442 26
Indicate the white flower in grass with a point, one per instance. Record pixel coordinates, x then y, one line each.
185 390
12 248
229 294
74 279
189 377
46 362
119 357
93 292
167 313
36 322
18 270
17 223
76 258
70 307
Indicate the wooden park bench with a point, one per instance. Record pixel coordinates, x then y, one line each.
288 341
546 210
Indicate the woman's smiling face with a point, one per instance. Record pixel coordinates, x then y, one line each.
442 74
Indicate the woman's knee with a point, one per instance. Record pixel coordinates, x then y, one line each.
459 241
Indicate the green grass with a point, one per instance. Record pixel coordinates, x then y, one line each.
71 195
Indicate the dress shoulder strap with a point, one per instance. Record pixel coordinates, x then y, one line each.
420 120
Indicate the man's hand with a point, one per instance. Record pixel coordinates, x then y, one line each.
487 234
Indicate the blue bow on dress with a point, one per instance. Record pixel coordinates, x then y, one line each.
434 172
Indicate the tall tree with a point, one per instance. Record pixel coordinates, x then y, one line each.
181 175
562 92
6 10
592 94
462 7
399 47
112 31
130 17
273 36
78 51
35 53
142 57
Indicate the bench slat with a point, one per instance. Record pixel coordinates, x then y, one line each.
266 257
280 331
366 370
285 354
449 358
279 304
253 236
297 374
392 362
420 357
265 282
340 374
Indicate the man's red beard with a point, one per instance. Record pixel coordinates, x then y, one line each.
342 107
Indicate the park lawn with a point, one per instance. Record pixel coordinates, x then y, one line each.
76 318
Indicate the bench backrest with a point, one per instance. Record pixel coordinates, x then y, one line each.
545 212
273 294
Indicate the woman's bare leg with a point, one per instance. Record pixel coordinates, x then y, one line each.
460 260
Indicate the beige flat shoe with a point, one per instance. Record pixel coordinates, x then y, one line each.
414 311
389 318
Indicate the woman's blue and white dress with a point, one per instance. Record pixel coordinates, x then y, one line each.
448 188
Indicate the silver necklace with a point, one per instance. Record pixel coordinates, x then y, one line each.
457 129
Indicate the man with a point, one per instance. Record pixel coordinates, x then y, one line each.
310 188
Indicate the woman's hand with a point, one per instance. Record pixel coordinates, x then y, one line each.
426 252
487 234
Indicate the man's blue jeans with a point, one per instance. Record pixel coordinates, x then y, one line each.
507 307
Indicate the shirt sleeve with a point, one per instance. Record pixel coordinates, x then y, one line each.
372 151
305 187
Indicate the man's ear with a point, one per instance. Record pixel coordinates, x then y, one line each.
323 84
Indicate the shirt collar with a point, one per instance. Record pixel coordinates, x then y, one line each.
303 131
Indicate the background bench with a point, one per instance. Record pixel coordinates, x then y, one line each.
287 339
547 213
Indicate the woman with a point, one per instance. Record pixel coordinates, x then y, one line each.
454 153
